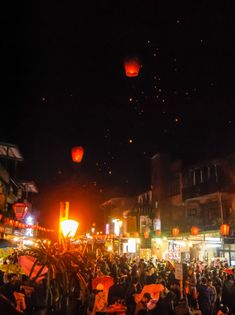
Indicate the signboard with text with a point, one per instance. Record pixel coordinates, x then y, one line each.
178 271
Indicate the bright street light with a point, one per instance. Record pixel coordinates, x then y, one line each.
69 227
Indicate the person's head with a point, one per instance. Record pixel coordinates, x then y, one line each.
204 281
146 297
99 287
209 282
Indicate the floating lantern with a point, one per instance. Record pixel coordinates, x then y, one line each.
77 154
132 67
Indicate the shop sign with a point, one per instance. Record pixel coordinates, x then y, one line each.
20 209
178 271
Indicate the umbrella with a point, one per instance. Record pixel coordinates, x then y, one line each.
229 271
26 262
153 289
107 282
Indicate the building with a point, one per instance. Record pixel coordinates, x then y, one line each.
201 195
14 194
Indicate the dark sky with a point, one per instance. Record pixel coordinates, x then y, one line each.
65 85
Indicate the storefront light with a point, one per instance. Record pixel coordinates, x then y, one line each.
131 245
212 239
215 245
181 243
159 241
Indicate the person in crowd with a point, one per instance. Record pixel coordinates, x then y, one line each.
134 288
213 295
100 304
171 278
116 292
142 305
204 297
228 291
190 286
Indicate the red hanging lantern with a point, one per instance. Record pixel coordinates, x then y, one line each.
175 232
11 222
146 234
20 209
77 154
132 67
194 230
224 229
158 232
136 234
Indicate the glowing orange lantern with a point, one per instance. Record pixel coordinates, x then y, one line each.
146 234
224 229
158 232
132 67
175 232
136 234
77 154
194 230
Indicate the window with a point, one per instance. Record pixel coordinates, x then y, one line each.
174 185
192 212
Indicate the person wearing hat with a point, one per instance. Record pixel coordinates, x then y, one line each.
100 304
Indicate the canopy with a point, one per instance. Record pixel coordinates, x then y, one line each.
107 282
153 289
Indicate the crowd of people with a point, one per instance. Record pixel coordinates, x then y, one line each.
206 290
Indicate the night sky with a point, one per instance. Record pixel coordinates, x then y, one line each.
65 85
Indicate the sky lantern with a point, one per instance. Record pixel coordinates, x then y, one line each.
194 230
224 229
175 231
132 66
77 154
